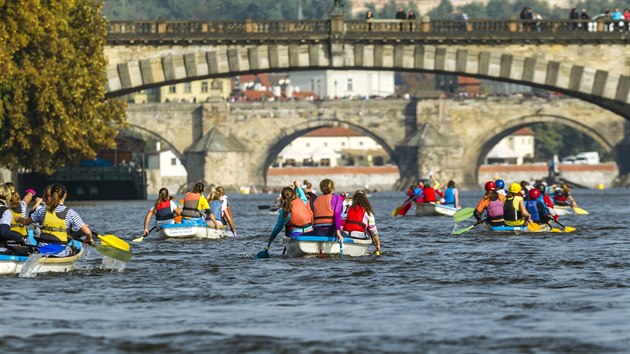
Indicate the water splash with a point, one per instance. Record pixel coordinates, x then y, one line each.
32 266
113 264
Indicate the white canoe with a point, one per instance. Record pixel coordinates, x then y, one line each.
428 209
563 210
14 264
324 245
183 231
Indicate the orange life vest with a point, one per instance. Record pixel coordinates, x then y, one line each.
191 205
323 213
301 215
354 220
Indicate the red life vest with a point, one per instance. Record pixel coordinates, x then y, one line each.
301 215
163 211
322 212
429 195
354 220
191 205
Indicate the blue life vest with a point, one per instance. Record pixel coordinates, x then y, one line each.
532 208
216 208
449 196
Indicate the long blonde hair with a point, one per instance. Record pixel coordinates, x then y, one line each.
5 192
14 197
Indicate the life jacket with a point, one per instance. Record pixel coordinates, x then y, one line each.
429 195
449 196
512 211
312 197
163 211
54 227
495 211
532 208
419 193
354 220
216 208
191 205
20 229
322 212
301 215
560 198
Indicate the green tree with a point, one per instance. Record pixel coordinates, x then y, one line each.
52 98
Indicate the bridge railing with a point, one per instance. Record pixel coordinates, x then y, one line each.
321 29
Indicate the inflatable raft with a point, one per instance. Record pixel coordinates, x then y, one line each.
325 245
192 230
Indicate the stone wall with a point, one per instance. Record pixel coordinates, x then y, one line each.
381 178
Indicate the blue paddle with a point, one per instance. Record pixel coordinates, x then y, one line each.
265 252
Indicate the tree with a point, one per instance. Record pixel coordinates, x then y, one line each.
53 110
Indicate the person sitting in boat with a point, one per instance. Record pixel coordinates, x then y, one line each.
11 242
536 208
347 201
500 187
546 200
418 192
562 196
195 205
431 194
216 216
226 208
514 211
18 207
451 195
327 210
295 215
164 210
360 221
57 221
492 203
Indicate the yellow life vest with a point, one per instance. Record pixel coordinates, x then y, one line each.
55 225
20 229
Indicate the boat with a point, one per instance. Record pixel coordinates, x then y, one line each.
13 264
325 245
518 229
192 230
563 210
429 209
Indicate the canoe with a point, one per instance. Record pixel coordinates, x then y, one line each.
190 230
325 245
563 210
431 209
14 264
518 229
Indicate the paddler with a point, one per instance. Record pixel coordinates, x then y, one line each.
514 211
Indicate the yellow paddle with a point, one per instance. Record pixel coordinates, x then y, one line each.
533 227
580 211
111 240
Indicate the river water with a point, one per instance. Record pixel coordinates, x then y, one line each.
429 292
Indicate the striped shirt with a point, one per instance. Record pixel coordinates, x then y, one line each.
73 220
7 217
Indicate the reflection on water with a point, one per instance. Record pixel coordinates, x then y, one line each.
430 291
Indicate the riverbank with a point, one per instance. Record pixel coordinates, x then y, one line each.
348 178
590 176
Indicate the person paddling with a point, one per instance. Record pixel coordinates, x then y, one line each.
295 215
536 208
11 242
451 195
514 211
164 209
327 209
227 208
216 216
360 221
492 204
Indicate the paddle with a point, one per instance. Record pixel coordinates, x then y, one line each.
264 207
532 226
113 247
463 214
566 228
466 229
265 252
341 248
396 211
580 211
139 239
405 208
51 248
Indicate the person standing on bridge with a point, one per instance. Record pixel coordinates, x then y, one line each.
401 15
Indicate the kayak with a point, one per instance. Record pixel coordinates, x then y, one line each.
270 211
325 245
518 229
13 264
430 209
192 230
563 210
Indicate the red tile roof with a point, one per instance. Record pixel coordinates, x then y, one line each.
523 131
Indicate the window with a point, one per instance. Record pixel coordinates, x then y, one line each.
325 144
187 87
324 162
360 143
173 161
350 85
172 89
217 85
204 86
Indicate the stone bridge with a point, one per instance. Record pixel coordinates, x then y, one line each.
591 65
233 144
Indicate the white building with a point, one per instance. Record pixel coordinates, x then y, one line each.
330 84
165 170
332 147
514 148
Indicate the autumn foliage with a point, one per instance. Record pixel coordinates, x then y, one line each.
53 110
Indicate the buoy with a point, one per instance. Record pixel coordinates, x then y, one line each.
600 186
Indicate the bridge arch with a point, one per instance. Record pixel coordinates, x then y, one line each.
511 63
160 138
492 136
287 135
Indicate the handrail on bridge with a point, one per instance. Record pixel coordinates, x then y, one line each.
216 30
